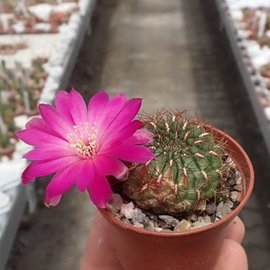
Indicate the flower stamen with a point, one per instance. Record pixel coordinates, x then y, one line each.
84 140
86 151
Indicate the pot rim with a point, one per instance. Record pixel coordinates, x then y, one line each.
109 216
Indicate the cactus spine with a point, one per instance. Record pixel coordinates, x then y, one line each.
187 169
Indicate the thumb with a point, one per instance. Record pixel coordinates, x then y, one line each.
232 257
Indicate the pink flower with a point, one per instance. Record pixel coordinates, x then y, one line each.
84 145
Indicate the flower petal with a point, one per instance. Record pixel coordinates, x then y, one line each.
53 201
133 153
126 115
108 166
113 140
39 124
110 112
55 120
36 137
43 168
85 174
141 136
62 181
46 153
62 104
96 105
78 107
99 190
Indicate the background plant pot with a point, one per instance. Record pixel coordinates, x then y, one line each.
198 249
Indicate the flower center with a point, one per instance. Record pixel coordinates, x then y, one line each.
86 150
84 140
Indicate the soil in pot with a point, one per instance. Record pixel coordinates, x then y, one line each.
207 212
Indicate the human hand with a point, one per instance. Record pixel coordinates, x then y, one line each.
232 255
100 254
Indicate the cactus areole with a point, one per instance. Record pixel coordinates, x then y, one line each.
187 170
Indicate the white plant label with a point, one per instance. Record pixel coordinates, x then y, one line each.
26 101
262 24
3 126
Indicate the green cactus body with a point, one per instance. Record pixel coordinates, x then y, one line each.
187 169
4 140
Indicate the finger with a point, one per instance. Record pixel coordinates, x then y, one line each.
232 257
236 230
99 252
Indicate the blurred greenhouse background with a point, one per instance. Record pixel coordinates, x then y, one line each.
208 57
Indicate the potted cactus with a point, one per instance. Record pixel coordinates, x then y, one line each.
194 173
182 181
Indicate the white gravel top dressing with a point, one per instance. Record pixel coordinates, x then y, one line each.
237 4
37 46
254 55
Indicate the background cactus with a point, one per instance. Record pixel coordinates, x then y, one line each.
20 90
7 116
187 170
4 141
21 87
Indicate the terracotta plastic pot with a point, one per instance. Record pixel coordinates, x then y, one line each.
198 249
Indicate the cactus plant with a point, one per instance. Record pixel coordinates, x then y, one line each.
11 5
6 126
24 85
4 140
22 13
20 90
8 116
188 168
